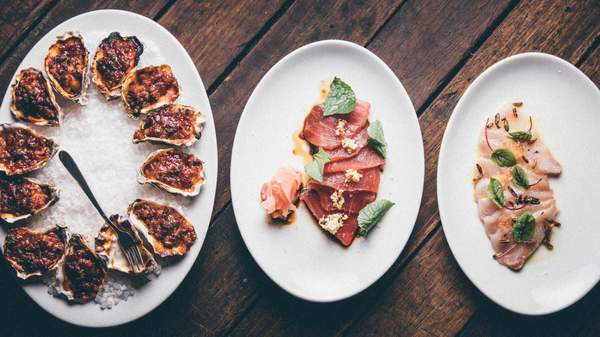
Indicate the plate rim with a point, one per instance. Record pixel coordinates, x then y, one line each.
163 296
421 160
444 149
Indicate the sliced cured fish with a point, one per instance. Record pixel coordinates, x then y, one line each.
512 190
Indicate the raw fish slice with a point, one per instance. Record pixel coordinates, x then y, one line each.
346 233
354 201
365 159
538 162
320 131
369 180
339 153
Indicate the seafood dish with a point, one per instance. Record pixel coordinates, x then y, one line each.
174 171
512 189
115 57
22 150
66 66
172 124
148 88
22 197
33 100
341 178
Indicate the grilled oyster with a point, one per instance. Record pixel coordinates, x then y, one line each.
31 253
33 100
174 124
173 171
20 197
148 88
166 230
115 58
108 248
23 150
82 273
66 67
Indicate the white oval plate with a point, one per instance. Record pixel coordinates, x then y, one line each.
159 47
299 257
565 104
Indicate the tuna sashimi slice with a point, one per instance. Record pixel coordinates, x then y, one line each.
369 180
365 159
320 131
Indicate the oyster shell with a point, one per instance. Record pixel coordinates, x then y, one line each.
21 197
116 56
174 171
32 253
166 229
148 88
108 248
66 66
33 100
23 150
174 124
82 273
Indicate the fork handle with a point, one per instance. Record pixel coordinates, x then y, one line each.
71 166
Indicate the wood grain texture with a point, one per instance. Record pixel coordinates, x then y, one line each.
304 22
215 32
394 43
491 321
16 17
530 26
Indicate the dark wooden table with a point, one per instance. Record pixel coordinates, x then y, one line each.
436 48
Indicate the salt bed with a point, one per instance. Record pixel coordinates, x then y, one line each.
99 137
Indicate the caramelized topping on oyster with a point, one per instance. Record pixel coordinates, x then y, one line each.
23 150
148 88
83 272
115 58
33 100
32 253
174 124
168 231
22 197
66 66
108 248
173 171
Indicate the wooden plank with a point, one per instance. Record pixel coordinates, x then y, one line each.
530 26
16 17
577 320
402 33
304 22
61 12
215 32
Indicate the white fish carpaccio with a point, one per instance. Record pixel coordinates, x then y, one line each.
539 164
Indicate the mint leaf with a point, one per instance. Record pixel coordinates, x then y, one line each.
520 136
341 99
523 227
315 168
376 138
495 193
504 158
371 214
519 177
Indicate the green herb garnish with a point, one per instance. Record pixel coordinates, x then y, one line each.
371 214
376 138
341 99
504 158
523 227
520 136
495 192
315 168
519 177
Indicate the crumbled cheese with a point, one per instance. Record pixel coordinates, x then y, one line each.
349 144
337 198
333 222
340 129
352 175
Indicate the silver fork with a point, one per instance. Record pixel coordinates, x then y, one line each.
127 241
